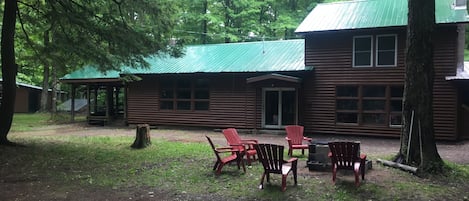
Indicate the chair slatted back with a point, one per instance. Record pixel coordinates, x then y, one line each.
295 133
271 157
232 136
344 154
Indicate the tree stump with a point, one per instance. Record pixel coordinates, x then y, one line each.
142 138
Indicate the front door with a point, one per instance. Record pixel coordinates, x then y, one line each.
279 107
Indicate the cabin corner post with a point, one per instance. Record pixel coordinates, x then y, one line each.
72 104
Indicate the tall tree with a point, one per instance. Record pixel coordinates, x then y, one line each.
9 69
103 33
418 146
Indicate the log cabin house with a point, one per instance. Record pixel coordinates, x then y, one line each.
345 77
28 97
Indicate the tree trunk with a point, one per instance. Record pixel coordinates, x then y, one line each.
45 81
9 70
205 22
142 138
418 145
53 104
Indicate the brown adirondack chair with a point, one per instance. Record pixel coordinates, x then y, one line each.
271 157
234 154
295 139
244 145
346 156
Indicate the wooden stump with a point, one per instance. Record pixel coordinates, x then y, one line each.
142 138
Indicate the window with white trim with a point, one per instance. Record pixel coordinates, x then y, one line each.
386 50
362 51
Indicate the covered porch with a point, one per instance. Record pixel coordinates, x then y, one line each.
106 100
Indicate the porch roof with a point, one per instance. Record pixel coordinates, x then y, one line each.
361 14
262 56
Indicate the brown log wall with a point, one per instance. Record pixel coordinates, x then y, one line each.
331 56
232 103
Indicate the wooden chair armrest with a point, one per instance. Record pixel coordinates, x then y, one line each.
226 150
287 138
329 154
249 141
308 139
291 160
362 156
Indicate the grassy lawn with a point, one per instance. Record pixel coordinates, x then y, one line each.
28 122
169 169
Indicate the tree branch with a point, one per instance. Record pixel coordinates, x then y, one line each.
28 39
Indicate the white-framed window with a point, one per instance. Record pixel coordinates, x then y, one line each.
386 50
362 51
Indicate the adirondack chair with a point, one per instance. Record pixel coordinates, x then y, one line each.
295 139
346 156
244 145
234 154
271 157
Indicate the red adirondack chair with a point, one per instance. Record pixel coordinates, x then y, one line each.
244 145
271 157
295 139
234 154
346 156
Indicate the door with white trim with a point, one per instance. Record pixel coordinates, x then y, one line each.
280 107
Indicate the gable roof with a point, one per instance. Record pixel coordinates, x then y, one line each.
263 56
361 14
25 85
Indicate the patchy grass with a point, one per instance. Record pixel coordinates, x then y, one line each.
183 170
29 122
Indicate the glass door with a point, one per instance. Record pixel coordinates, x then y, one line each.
280 107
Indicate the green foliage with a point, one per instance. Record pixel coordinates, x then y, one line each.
218 21
107 34
466 54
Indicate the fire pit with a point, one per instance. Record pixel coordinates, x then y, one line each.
317 158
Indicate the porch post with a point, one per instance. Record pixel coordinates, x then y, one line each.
125 103
88 97
72 106
107 103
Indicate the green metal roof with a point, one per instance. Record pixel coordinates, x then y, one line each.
263 56
372 14
90 72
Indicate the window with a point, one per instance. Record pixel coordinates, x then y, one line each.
184 94
386 50
395 116
347 104
384 53
362 51
369 105
373 104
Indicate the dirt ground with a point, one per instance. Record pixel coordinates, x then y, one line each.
39 189
457 152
